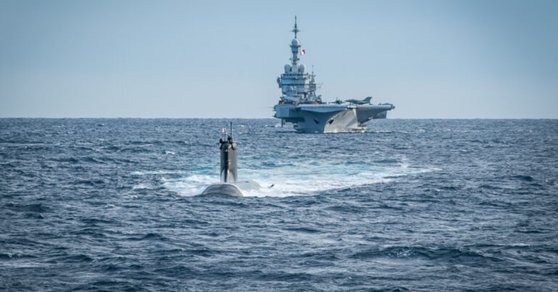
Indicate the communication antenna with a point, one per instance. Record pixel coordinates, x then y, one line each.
295 29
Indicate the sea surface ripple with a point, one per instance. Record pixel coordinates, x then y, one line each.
419 205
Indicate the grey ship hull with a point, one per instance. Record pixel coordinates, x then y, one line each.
330 117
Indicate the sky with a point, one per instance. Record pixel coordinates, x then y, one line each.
213 59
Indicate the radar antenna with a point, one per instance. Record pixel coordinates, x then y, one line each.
295 29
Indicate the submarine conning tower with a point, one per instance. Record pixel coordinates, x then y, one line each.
227 186
228 159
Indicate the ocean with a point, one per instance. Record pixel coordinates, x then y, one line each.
409 205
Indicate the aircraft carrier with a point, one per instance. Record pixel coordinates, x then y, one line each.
300 105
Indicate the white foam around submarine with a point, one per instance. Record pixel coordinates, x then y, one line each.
305 179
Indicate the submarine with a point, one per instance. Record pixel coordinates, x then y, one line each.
228 171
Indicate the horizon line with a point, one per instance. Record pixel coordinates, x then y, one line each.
269 118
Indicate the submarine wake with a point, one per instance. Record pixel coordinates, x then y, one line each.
302 179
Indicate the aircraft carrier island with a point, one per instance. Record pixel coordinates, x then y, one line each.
300 105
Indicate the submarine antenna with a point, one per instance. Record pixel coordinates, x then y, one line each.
230 126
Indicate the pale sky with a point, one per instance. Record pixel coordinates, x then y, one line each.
185 59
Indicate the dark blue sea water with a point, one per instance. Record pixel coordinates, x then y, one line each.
111 204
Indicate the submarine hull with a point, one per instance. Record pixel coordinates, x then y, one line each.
222 189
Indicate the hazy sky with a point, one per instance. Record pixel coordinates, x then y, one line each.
432 59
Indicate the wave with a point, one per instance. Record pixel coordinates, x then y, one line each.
447 254
35 208
149 236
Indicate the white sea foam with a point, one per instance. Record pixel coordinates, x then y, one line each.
141 186
143 173
303 179
190 185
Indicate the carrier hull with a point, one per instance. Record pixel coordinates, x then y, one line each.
330 118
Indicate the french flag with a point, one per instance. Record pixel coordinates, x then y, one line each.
302 51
